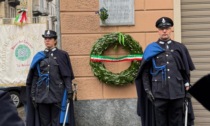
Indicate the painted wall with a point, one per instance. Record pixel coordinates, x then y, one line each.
99 104
80 29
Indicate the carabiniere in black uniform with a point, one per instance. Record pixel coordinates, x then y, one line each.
48 85
167 83
49 90
49 77
162 80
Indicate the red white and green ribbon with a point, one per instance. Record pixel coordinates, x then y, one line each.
98 58
21 18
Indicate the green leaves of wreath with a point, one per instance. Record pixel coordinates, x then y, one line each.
96 58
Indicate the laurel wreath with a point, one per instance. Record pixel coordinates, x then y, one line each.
115 39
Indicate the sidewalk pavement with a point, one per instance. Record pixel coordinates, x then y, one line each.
21 112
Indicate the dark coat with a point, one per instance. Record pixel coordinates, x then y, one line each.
65 70
200 90
48 84
184 63
167 81
8 111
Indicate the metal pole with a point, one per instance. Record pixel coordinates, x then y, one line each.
186 112
66 113
58 29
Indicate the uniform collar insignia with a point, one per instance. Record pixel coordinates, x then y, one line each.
169 42
47 50
53 49
161 42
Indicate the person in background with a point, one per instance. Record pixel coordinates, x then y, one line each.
163 79
8 111
49 84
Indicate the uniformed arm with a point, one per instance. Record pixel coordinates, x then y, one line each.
186 79
146 77
67 83
68 86
146 82
68 79
186 74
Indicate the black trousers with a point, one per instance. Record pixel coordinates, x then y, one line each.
169 112
49 114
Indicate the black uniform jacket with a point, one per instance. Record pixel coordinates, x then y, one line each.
8 111
184 63
65 70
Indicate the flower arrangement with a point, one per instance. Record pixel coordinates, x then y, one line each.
103 13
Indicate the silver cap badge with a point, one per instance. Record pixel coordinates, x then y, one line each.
163 20
48 32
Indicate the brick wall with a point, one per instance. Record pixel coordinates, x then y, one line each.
80 29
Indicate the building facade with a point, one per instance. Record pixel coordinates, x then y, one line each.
8 11
45 9
38 11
